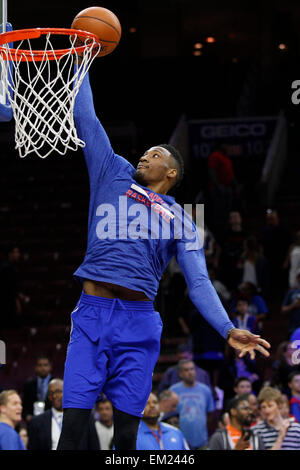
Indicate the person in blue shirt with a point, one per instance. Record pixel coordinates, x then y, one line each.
156 435
10 416
115 335
196 405
243 318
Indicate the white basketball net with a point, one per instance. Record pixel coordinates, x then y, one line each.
43 96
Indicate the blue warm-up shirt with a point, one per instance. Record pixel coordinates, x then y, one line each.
9 438
120 208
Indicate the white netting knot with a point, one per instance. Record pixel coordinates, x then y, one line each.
42 94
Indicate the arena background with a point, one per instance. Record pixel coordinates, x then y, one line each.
153 88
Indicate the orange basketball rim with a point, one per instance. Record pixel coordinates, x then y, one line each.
39 55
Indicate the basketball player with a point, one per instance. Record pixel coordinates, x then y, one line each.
115 336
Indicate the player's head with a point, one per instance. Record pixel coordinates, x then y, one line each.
160 164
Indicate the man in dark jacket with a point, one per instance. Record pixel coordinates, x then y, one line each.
237 435
44 430
35 389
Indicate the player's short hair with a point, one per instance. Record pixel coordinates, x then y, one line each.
4 396
270 393
179 162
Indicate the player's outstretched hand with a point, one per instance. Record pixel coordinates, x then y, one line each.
247 342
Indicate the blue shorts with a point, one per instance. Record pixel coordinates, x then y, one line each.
114 346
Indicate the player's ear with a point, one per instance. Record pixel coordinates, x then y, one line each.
172 173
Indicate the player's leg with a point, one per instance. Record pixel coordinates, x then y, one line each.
135 347
125 430
75 423
85 373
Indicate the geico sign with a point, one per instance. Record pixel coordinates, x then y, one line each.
233 130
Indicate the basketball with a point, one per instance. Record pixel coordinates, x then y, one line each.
101 22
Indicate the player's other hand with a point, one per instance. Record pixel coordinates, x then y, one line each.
246 342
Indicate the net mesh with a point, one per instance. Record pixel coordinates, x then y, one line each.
42 94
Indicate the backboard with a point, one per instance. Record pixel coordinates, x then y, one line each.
5 107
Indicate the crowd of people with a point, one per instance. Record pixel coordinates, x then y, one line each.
211 398
185 412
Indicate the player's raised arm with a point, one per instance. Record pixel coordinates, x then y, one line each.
205 298
98 151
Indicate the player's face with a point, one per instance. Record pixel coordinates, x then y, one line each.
13 408
154 166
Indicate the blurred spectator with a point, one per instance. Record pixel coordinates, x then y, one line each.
257 305
196 405
294 385
238 375
35 398
104 425
207 344
23 433
157 435
253 266
242 386
283 366
291 306
171 375
211 249
10 416
168 402
44 430
243 318
275 239
171 418
255 411
232 249
276 432
237 435
221 289
11 297
284 408
221 187
294 262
